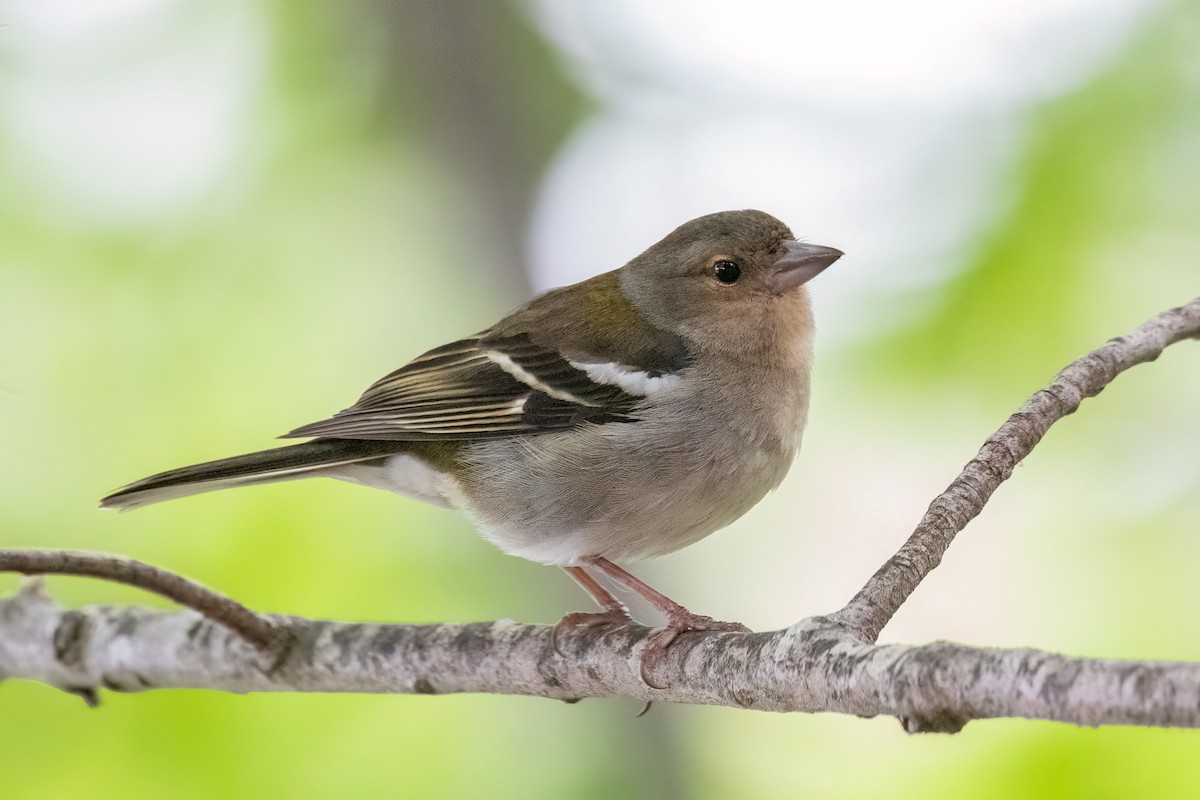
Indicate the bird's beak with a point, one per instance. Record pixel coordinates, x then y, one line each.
800 263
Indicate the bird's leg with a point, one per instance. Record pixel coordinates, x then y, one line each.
612 611
679 619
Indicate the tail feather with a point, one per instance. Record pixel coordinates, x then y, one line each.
266 466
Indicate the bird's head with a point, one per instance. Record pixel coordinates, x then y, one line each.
728 281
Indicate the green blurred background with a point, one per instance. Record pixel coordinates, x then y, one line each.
220 220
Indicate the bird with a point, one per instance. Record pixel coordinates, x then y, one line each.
613 420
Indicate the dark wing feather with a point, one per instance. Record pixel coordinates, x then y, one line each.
481 387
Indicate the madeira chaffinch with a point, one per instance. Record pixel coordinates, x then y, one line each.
617 419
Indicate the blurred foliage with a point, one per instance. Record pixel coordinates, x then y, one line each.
1103 213
351 241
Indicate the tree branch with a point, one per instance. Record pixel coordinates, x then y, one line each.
259 631
879 600
815 665
819 664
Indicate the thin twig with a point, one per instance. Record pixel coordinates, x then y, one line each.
878 601
256 629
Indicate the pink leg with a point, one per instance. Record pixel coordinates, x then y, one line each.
679 619
612 611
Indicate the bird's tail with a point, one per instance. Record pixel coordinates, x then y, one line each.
267 466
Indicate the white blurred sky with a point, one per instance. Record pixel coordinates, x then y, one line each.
883 129
125 111
880 128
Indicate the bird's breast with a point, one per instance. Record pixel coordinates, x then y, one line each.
695 460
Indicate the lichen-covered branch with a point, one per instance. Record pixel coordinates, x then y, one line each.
819 664
815 665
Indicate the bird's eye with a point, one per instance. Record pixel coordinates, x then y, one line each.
727 271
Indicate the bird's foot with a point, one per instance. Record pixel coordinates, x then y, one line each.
586 619
679 620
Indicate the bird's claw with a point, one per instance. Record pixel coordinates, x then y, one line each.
654 651
586 619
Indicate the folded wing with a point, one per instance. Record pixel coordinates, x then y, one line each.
480 387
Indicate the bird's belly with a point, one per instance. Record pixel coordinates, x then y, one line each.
614 494
403 474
